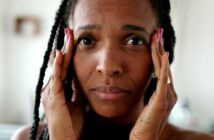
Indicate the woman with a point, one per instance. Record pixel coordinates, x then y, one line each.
116 56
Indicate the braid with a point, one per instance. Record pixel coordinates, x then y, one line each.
60 35
34 128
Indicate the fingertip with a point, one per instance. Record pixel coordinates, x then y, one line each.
58 53
70 32
58 59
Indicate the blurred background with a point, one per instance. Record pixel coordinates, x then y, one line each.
24 31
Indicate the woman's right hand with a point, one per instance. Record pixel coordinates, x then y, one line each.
64 118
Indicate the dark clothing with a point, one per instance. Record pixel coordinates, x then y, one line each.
94 129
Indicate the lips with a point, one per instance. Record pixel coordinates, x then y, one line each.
109 89
110 92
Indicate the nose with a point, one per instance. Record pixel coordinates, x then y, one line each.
109 63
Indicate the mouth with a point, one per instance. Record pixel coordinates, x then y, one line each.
110 92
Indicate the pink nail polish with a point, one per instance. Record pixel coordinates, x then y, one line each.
65 31
57 51
66 34
158 35
161 32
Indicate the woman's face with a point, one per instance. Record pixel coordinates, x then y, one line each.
113 62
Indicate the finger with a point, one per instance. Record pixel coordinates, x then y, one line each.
172 98
77 97
156 57
161 43
171 90
45 93
158 101
68 52
165 91
162 51
56 80
162 82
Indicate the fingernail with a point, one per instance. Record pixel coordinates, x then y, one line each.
161 32
57 51
66 34
66 31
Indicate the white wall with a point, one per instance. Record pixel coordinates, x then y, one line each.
23 57
194 62
1 53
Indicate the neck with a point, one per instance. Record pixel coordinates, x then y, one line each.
128 118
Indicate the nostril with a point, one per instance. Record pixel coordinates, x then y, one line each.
116 73
99 71
108 71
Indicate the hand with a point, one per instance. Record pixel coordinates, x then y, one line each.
154 116
64 118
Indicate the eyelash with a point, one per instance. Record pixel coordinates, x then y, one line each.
81 40
140 41
88 40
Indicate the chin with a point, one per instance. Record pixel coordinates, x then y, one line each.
116 113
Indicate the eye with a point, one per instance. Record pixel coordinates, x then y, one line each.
86 40
134 40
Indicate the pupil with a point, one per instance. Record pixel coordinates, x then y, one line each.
87 41
135 41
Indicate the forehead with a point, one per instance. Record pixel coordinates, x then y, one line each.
110 12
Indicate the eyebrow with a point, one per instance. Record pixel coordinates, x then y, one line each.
124 27
135 27
89 26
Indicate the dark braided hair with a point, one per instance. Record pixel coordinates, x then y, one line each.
161 8
56 27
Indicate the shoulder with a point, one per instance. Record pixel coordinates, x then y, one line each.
171 132
23 132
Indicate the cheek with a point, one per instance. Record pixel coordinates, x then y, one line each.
83 66
79 67
140 72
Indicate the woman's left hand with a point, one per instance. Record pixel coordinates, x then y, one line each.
152 119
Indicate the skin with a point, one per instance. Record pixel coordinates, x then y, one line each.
113 61
110 52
